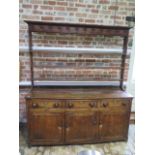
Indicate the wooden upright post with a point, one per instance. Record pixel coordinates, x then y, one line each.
125 45
31 56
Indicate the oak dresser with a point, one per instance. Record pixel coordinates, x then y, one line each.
77 115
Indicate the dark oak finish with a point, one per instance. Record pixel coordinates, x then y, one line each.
46 127
31 56
81 126
114 119
77 116
68 28
125 43
83 29
67 115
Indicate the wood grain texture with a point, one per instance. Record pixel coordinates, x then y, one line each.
70 28
82 29
57 117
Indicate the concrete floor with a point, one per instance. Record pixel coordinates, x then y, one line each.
115 148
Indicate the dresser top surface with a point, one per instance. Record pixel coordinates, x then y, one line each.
78 93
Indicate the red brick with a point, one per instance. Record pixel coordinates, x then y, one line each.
36 6
31 17
81 14
113 7
91 6
21 40
115 17
121 4
51 2
104 1
132 4
72 9
71 4
22 31
37 12
28 6
90 21
94 11
36 1
71 13
20 10
80 5
46 7
62 42
62 3
130 9
58 8
59 18
81 20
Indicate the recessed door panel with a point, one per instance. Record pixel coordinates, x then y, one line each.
113 126
81 126
46 127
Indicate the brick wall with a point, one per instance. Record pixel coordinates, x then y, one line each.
72 66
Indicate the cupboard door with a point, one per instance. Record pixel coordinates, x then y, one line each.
46 128
81 126
113 126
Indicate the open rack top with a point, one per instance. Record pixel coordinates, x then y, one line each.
81 29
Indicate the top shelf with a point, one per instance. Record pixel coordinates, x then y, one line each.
83 29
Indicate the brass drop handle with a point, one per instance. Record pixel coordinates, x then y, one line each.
100 126
56 105
34 105
67 128
123 103
70 105
59 127
105 104
92 104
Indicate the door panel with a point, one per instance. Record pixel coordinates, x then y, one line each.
46 127
113 126
81 126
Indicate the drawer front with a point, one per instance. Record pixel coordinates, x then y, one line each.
115 104
38 104
81 104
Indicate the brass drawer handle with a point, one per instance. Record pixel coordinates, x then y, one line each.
70 105
124 104
92 104
34 105
56 105
59 127
105 104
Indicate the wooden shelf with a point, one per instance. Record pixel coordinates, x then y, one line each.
83 29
